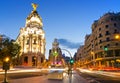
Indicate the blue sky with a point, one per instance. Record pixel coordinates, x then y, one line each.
66 20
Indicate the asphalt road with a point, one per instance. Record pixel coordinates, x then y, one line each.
41 77
97 78
38 77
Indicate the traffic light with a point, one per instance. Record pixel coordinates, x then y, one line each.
105 48
71 61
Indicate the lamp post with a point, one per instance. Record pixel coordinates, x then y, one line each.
117 37
6 66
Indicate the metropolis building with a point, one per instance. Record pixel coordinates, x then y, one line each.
101 48
55 55
32 40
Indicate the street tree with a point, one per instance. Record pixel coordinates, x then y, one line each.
9 48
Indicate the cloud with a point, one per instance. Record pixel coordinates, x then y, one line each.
69 44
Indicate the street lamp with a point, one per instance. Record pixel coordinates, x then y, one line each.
6 66
117 36
7 59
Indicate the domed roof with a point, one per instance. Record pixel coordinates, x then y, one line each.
34 17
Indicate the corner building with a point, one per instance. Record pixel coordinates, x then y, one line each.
32 40
101 49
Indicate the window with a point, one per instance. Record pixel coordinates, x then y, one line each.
100 35
101 22
107 39
115 25
96 44
34 41
99 29
96 38
115 31
100 46
117 52
108 45
111 19
115 18
107 33
106 26
100 41
27 42
116 44
25 59
110 53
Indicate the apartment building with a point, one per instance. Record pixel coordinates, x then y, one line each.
102 47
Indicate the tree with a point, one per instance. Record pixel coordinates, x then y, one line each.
9 48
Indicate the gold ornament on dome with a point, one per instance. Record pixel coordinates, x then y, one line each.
34 6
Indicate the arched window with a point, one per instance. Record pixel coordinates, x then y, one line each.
25 59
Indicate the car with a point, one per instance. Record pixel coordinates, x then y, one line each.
55 75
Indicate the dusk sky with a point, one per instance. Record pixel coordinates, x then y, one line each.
67 20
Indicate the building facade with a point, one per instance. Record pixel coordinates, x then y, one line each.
55 55
101 49
32 40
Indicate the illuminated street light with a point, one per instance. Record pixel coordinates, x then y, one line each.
6 59
6 66
117 36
